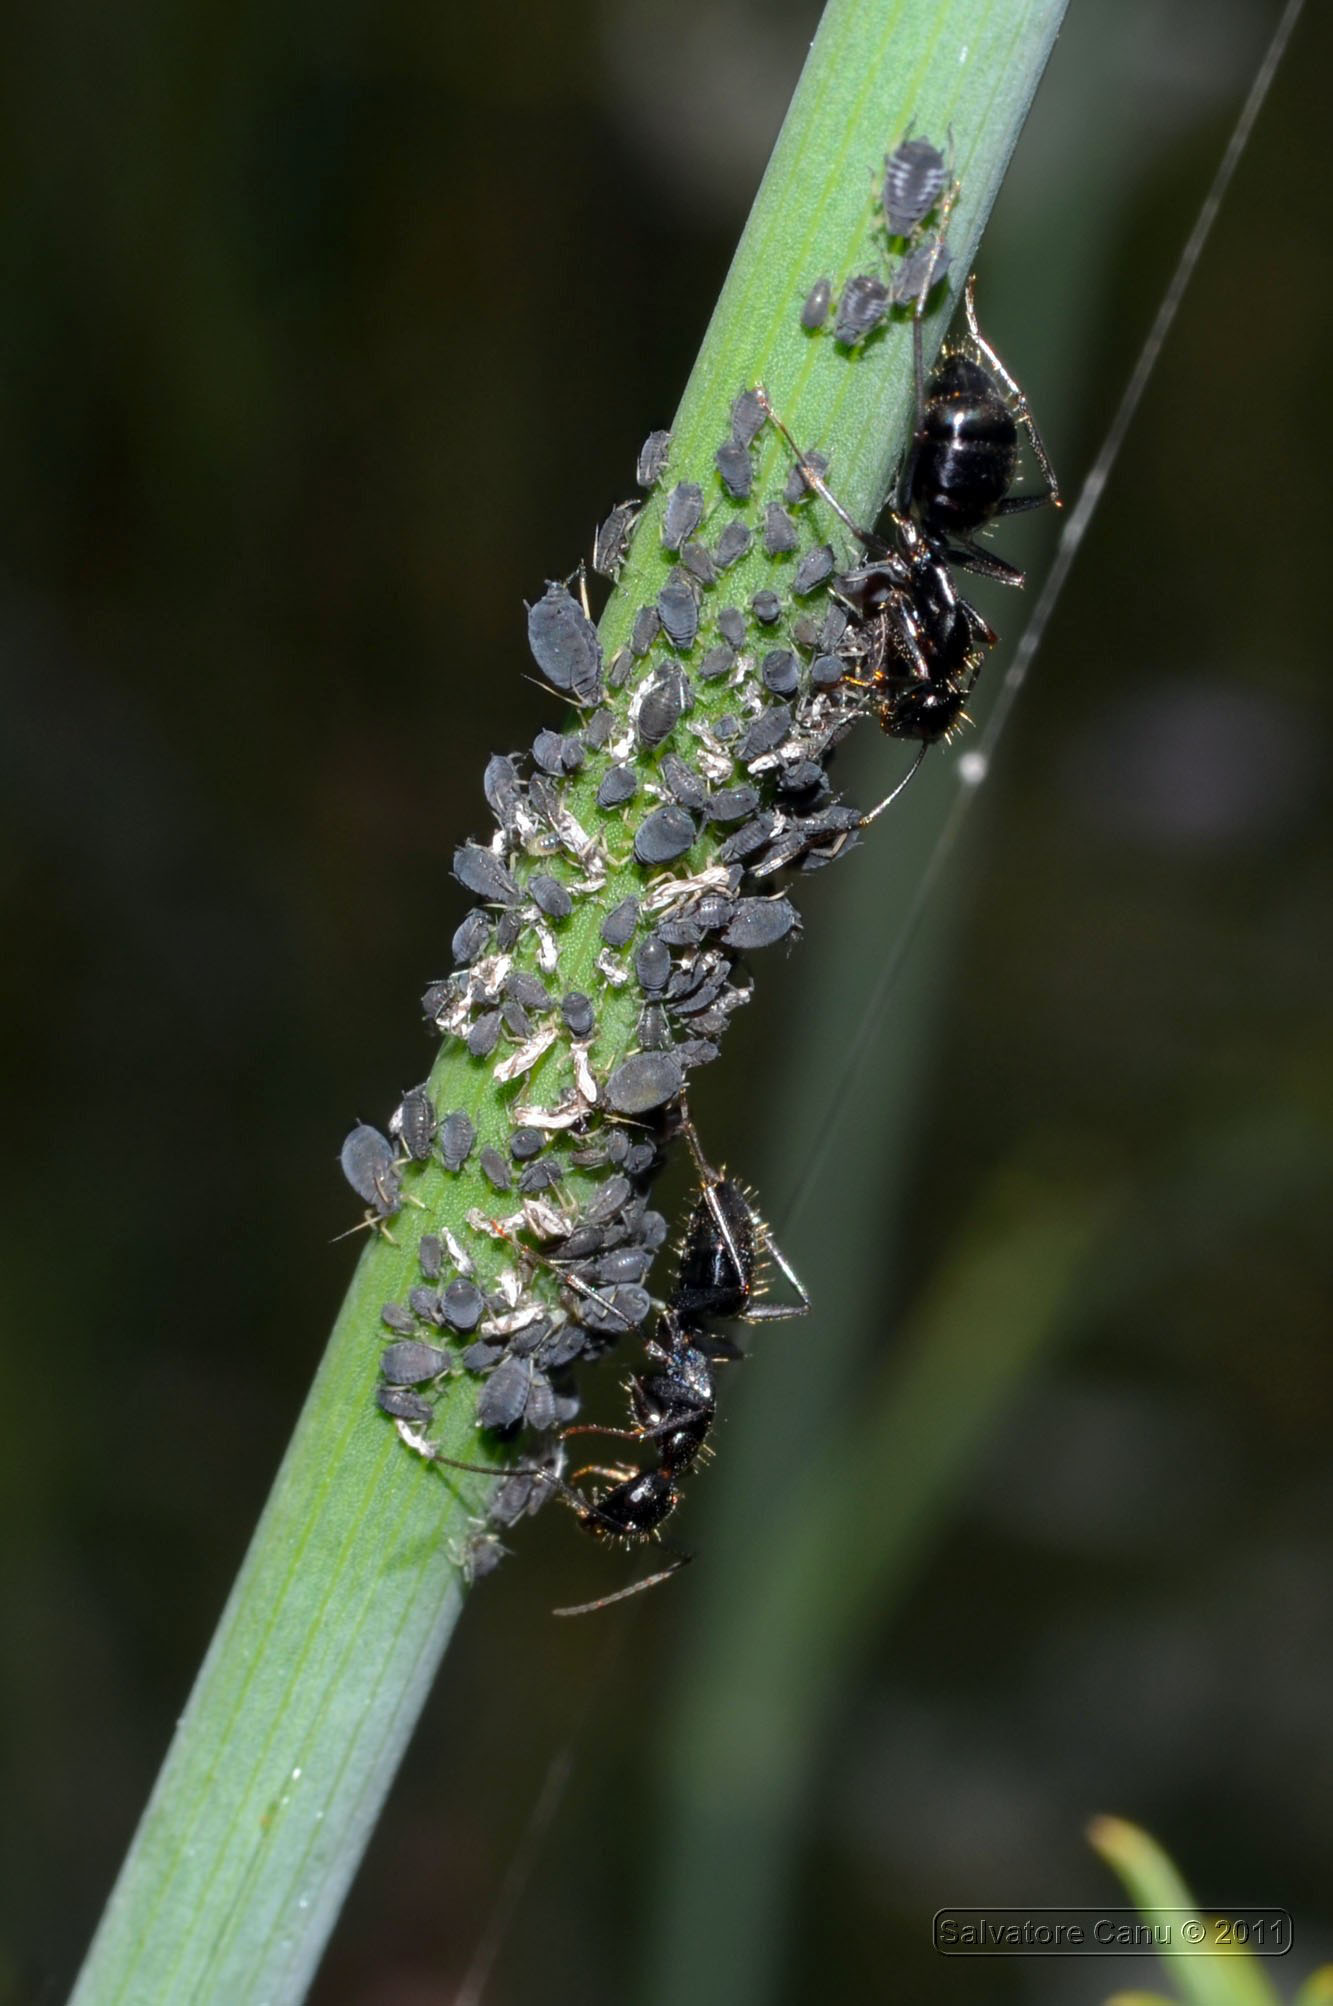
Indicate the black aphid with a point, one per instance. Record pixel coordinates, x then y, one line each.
598 728
750 838
826 671
425 1303
814 570
470 939
412 1362
863 305
403 1405
540 1175
643 1081
797 488
397 1319
548 750
766 607
612 540
664 835
731 626
732 544
920 271
653 459
618 785
457 1136
550 896
662 703
619 924
516 1020
733 463
781 672
698 561
565 646
370 1167
647 626
760 923
914 178
578 1013
494 1168
678 608
719 661
747 418
687 786
815 310
525 1143
652 964
682 515
621 668
528 990
731 804
780 532
482 872
430 1256
414 1122
462 1304
503 1398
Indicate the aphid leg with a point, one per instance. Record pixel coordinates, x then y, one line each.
623 1594
1013 504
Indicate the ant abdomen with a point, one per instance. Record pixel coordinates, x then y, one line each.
966 453
633 1509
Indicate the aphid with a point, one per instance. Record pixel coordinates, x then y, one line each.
698 561
403 1405
647 625
412 1362
759 923
579 1015
914 177
494 1168
719 661
747 418
618 785
526 1142
550 896
920 272
733 464
612 540
652 459
619 924
484 1034
686 785
780 532
470 939
815 310
414 1122
462 1304
682 515
732 544
814 570
678 609
644 1081
564 644
483 873
667 833
766 607
731 626
661 705
652 964
430 1256
798 489
861 308
397 1319
371 1168
457 1136
780 672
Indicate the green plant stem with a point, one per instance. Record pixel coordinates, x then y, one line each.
335 1627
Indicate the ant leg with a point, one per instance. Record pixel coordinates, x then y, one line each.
1022 409
889 799
984 563
813 480
623 1594
710 1179
778 1312
908 470
619 1473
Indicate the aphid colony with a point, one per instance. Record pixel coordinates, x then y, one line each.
695 773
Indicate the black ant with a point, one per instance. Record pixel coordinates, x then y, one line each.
920 644
673 1406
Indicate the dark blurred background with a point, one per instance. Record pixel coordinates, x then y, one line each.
328 335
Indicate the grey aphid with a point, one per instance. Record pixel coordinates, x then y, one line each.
402 1405
645 1080
539 1410
687 786
815 310
647 625
813 569
482 872
781 672
749 838
424 1302
502 787
698 561
805 627
747 417
598 728
483 1356
653 1029
766 732
660 709
826 671
664 835
619 784
511 922
494 1168
394 1317
484 1034
527 990
565 646
731 626
505 1395
607 1200
760 923
732 544
621 668
652 964
470 938
731 804
548 749
482 1554
457 1136
620 1309
864 303
640 1159
798 488
719 661
516 1019
780 532
462 1305
430 1256
766 607
653 459
369 1165
525 1143
930 261
683 514
540 1175
678 608
612 540
412 1362
914 175
550 896
414 1121
733 463
697 1052
578 1013
619 924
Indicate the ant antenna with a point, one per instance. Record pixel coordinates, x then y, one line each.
623 1594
